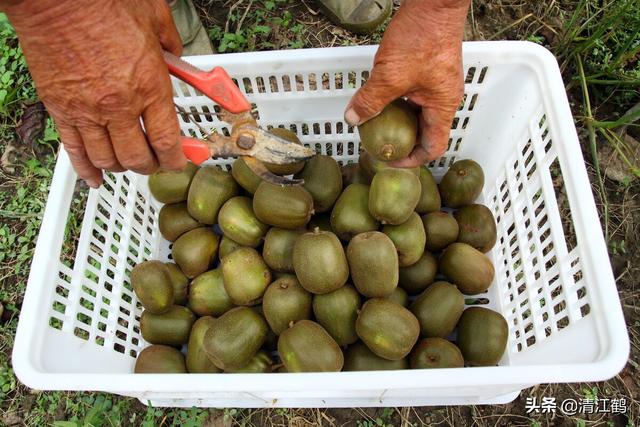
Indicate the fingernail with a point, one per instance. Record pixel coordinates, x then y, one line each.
92 183
352 117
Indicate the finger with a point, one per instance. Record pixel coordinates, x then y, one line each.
435 127
99 149
382 87
417 157
73 145
167 31
163 132
131 146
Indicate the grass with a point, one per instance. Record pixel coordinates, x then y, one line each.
22 197
15 82
247 32
598 47
602 42
251 25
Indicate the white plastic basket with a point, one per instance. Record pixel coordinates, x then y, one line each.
78 328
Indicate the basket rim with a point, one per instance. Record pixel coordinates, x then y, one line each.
612 358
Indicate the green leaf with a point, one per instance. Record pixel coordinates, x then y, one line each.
32 163
262 29
6 77
50 134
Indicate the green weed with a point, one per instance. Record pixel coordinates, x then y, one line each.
94 410
7 380
590 393
15 83
384 420
254 29
283 412
23 208
618 247
193 417
601 43
606 36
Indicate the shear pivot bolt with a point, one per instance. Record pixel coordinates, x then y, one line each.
246 142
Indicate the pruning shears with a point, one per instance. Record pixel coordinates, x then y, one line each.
247 140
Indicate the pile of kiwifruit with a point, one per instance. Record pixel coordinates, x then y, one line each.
364 267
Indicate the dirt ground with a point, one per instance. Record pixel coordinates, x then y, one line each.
488 20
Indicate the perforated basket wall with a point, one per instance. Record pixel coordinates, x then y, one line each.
553 283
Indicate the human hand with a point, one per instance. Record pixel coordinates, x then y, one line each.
420 57
98 68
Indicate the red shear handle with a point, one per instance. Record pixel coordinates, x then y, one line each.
195 150
216 84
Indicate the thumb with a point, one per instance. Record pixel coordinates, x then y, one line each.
382 87
167 31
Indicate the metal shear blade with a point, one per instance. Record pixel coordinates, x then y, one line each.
261 170
247 139
254 141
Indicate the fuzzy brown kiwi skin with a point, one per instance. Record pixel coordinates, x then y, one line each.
353 174
467 268
152 285
373 263
409 239
431 353
477 227
482 336
235 338
285 301
462 183
320 274
393 195
388 329
287 207
323 180
390 135
430 196
337 312
358 357
438 309
307 347
441 229
350 215
415 278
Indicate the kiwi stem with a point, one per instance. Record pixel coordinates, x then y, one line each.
387 151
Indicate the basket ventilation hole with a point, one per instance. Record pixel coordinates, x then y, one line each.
483 74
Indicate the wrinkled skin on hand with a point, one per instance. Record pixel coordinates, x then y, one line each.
420 57
98 68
